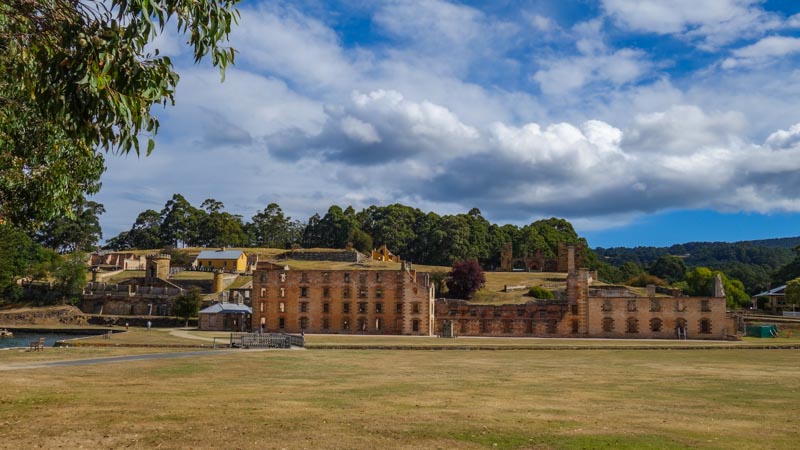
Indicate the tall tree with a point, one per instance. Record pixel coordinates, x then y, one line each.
270 228
179 222
17 254
670 268
80 231
700 282
81 77
219 228
70 274
187 305
792 293
146 231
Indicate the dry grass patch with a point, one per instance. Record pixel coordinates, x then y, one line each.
326 340
140 336
125 275
192 275
21 356
724 399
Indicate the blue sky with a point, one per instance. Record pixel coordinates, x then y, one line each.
644 123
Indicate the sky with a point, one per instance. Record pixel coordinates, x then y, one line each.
643 123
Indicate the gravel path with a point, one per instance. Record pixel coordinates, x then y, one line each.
113 359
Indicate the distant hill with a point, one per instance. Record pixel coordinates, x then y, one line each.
788 242
752 262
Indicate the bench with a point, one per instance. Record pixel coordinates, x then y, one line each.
507 288
37 345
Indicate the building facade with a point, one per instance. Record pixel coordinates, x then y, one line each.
594 312
225 317
356 301
227 260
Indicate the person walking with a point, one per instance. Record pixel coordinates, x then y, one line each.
149 324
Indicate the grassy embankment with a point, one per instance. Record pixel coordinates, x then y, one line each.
723 399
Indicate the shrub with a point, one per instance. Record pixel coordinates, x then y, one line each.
643 279
540 293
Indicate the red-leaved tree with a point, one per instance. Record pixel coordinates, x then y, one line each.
465 279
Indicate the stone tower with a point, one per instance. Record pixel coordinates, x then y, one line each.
578 294
218 282
157 267
506 256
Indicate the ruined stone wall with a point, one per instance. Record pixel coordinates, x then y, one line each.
591 312
657 317
543 318
124 305
358 301
562 260
506 257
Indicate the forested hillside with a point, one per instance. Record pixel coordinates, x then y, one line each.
752 262
418 236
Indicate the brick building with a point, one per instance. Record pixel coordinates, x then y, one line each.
350 301
592 312
596 312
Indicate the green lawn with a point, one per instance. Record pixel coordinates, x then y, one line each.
721 399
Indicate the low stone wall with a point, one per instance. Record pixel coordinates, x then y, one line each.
52 315
140 321
338 256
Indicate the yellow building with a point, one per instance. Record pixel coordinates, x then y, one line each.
227 260
383 254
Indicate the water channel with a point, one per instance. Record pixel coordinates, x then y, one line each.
23 339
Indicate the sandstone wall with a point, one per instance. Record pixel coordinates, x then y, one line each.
342 301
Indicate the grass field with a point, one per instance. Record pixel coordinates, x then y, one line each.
167 337
22 356
723 399
140 336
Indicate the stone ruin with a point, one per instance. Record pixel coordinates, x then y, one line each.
538 262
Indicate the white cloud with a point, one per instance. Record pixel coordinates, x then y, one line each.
307 120
447 38
360 131
595 63
683 129
283 41
543 24
710 23
763 51
784 139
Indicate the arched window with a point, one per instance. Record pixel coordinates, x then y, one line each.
608 324
656 324
632 325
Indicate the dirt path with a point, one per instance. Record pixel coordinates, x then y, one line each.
114 359
186 335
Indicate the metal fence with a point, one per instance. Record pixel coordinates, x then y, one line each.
266 340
